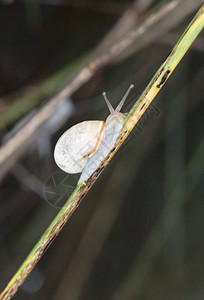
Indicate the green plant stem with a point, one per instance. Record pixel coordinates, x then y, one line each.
134 115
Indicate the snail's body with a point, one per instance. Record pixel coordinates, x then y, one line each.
112 128
85 145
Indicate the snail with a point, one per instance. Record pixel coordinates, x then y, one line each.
85 145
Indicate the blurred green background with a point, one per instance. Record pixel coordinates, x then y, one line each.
138 234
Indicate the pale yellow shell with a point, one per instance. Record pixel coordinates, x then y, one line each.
77 144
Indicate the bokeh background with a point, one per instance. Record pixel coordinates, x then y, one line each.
139 232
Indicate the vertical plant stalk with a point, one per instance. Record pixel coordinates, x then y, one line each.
133 117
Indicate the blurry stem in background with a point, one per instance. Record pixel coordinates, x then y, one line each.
177 10
133 117
14 106
11 151
30 96
127 20
131 287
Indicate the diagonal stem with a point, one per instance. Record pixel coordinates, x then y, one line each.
133 117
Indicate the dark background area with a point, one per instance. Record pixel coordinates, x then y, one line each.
138 234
